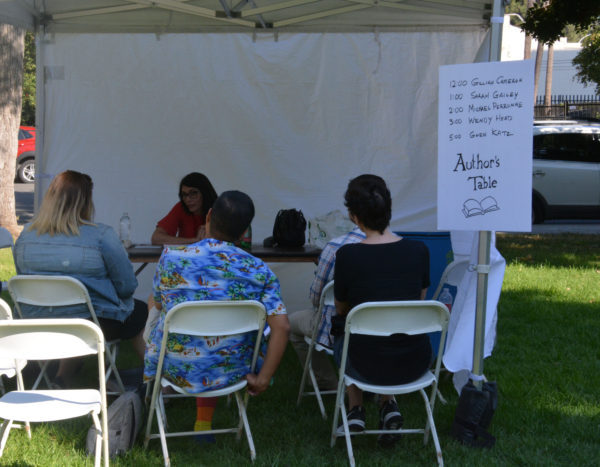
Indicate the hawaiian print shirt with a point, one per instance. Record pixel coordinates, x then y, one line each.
208 270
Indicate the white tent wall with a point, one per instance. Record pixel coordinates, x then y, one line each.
287 121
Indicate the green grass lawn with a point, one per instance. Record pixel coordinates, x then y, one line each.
546 362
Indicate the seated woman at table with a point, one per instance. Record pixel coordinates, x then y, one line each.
185 222
383 267
63 240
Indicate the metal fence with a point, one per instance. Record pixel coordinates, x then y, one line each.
568 107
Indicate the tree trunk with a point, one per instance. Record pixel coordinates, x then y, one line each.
12 46
549 68
538 67
527 51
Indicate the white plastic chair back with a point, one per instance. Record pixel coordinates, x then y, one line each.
8 366
326 299
58 291
206 318
6 239
5 312
215 318
452 275
387 318
49 339
49 291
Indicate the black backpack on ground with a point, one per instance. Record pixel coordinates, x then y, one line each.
125 418
289 228
474 414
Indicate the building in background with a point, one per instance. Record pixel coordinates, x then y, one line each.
564 82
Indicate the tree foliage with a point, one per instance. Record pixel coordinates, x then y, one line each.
546 21
28 109
587 62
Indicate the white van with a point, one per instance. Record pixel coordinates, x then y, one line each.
566 170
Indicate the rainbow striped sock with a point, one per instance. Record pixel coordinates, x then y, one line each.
205 408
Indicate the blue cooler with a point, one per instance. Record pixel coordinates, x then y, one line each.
440 256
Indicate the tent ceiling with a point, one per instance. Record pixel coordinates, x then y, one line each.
163 16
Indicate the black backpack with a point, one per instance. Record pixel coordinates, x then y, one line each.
289 228
125 418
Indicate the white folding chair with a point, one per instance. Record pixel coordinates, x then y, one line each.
8 366
59 291
44 339
452 275
6 241
206 318
313 345
385 319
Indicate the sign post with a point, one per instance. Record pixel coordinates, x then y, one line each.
484 161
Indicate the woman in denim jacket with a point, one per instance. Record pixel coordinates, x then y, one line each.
63 240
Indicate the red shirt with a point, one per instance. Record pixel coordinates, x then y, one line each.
181 224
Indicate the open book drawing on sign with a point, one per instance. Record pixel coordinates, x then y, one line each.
472 207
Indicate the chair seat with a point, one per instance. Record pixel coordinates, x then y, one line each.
215 393
48 405
424 381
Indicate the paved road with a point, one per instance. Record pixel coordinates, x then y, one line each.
591 226
24 203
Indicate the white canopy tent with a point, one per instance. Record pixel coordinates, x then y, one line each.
285 100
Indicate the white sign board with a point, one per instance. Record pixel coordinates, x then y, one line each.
485 146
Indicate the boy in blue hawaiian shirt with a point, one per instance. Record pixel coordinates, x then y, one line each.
215 269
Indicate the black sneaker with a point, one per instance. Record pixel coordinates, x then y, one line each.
390 419
356 421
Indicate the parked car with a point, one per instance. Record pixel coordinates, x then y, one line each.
26 155
566 170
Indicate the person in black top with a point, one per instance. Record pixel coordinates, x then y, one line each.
383 267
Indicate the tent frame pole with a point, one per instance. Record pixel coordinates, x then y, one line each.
485 237
40 112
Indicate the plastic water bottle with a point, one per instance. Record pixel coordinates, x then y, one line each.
446 298
125 230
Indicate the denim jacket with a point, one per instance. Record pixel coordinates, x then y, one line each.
95 257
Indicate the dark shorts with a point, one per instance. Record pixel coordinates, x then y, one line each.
131 327
395 359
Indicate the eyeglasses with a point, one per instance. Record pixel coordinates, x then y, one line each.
192 194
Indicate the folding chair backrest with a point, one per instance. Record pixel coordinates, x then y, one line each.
216 318
452 275
48 291
327 298
407 317
6 240
48 339
5 312
7 365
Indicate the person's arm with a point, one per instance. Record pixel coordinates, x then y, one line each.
118 267
166 229
423 293
323 274
280 329
342 308
161 237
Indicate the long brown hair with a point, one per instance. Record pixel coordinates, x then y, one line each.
67 204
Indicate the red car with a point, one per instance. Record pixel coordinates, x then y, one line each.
26 154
